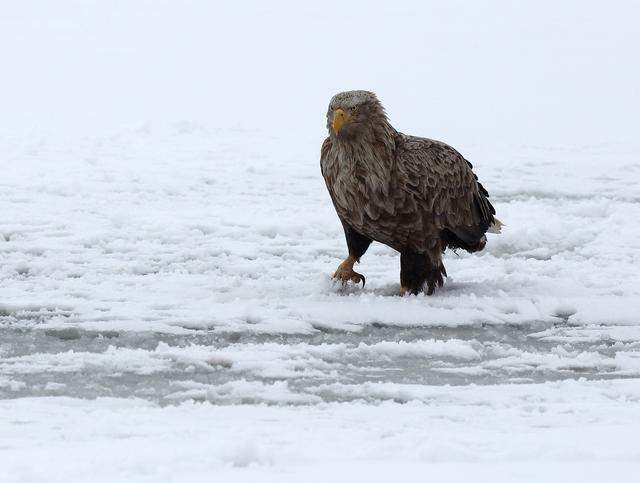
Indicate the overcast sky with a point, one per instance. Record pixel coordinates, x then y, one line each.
537 72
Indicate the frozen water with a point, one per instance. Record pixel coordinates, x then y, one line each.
165 368
166 245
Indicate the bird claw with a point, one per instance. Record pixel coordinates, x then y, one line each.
355 278
345 274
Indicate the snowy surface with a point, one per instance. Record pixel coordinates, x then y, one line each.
166 245
546 432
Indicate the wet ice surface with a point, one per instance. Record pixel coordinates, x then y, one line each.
205 365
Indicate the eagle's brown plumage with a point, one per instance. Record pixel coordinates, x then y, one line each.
417 195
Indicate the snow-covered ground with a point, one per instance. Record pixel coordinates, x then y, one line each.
166 245
569 431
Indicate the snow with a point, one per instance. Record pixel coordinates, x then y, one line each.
166 245
555 430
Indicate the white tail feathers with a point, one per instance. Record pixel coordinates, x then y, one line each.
496 226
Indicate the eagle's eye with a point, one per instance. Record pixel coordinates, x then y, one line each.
354 109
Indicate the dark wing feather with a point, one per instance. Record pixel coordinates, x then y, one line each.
445 189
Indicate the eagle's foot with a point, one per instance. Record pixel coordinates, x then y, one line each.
418 273
345 272
406 291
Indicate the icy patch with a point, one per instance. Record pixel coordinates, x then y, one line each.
243 392
455 349
10 384
226 367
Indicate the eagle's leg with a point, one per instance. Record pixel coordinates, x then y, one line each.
418 269
357 245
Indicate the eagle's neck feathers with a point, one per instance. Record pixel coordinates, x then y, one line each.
361 171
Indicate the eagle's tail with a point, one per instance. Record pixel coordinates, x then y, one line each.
463 237
495 226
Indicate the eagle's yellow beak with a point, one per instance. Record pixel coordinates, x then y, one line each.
339 119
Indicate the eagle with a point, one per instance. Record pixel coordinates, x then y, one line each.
416 195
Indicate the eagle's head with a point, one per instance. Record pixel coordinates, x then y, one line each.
354 114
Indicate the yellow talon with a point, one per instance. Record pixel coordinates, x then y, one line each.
345 272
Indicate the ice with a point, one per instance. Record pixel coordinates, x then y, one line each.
167 242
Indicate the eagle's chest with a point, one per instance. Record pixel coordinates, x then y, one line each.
346 182
359 187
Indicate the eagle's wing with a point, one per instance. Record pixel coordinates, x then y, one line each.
444 188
